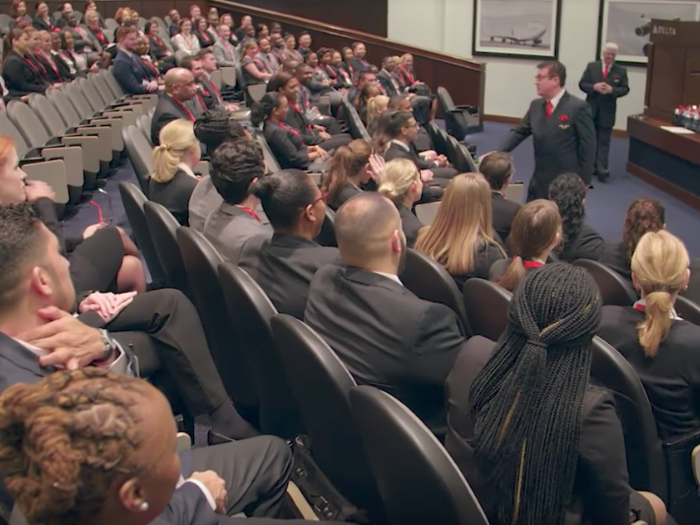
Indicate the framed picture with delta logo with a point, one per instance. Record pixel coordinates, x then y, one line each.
517 28
627 23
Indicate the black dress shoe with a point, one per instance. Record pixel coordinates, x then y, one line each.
603 176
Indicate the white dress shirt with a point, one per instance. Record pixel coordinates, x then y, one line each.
557 98
391 276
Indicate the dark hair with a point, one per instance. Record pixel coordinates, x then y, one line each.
569 191
496 167
283 196
234 165
554 69
527 401
147 26
12 34
275 27
395 101
360 75
301 67
120 33
262 110
183 22
644 215
204 52
355 45
347 163
215 127
280 80
381 137
304 33
365 93
397 121
186 61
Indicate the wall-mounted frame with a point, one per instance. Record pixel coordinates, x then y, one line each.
628 22
517 28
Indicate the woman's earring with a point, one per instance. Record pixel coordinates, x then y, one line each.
144 506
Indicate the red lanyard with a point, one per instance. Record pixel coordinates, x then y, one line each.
284 126
100 36
158 41
34 66
189 113
259 64
296 108
532 264
409 76
250 212
153 68
53 64
330 72
99 212
205 36
201 103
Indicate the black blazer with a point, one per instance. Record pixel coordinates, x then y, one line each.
99 36
284 267
288 147
587 245
205 39
386 336
129 73
397 152
565 142
389 84
210 96
166 111
486 254
52 75
604 107
672 378
344 195
601 487
39 24
410 224
614 255
693 291
297 120
503 212
157 49
21 78
174 195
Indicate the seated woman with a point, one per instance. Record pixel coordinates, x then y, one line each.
375 107
185 41
536 441
662 347
18 12
254 71
290 52
325 66
461 236
347 57
163 57
339 68
42 20
173 180
400 182
367 93
644 215
535 233
201 27
580 240
21 75
92 22
77 62
358 62
351 167
286 143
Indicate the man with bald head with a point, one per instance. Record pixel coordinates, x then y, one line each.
386 336
180 89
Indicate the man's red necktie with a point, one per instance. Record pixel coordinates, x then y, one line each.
549 109
605 72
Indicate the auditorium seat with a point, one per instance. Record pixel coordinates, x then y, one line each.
321 385
486 304
614 289
162 227
460 157
688 310
270 159
250 312
460 120
355 125
139 151
418 480
426 212
438 137
327 235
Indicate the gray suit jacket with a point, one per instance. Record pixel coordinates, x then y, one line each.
270 61
224 58
564 142
231 230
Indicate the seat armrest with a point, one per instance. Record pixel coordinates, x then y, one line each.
466 107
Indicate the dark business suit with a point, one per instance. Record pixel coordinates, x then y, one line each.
129 73
210 96
174 194
43 25
20 77
693 291
394 151
588 244
53 73
346 193
284 267
297 120
601 489
503 212
166 111
603 106
389 83
233 231
410 224
672 378
63 68
287 146
564 142
386 336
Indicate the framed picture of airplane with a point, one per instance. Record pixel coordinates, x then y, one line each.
627 23
516 28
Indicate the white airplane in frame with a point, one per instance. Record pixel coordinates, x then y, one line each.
532 35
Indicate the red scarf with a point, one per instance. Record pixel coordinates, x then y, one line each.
151 67
284 126
296 108
409 76
53 64
205 36
100 36
259 64
250 212
189 113
36 65
330 72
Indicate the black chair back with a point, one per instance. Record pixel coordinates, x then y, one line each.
202 266
327 235
417 478
486 305
688 310
134 200
438 137
431 282
250 312
136 146
455 121
321 384
357 128
614 289
163 229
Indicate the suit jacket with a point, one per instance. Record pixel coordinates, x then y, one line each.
410 224
389 83
672 378
166 111
346 193
129 73
297 120
386 336
487 253
587 245
693 291
210 95
284 267
42 25
604 107
174 195
503 212
231 230
224 57
564 142
157 49
20 77
397 152
287 146
63 68
52 75
601 487
204 198
99 36
270 61
614 255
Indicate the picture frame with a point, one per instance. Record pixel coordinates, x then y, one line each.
527 29
628 22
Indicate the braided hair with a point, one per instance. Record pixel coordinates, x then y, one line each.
527 402
569 192
215 127
66 439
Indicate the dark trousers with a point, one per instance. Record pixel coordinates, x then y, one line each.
421 109
179 344
538 188
602 149
336 141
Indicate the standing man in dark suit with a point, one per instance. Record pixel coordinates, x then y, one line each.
127 67
386 336
497 169
562 129
180 88
604 81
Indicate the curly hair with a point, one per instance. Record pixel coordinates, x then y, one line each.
66 439
643 215
569 192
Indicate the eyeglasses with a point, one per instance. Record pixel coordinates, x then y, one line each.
542 77
323 197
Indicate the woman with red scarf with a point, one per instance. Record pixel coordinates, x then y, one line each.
20 18
42 21
22 76
325 57
162 56
92 21
200 31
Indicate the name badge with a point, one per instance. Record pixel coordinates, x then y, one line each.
564 126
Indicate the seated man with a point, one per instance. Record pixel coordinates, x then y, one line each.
207 90
385 335
175 103
174 27
223 49
285 265
497 169
38 335
127 67
235 226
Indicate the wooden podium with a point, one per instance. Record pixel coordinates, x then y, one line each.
665 159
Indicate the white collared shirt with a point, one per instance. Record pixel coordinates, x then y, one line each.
555 100
184 167
391 276
404 146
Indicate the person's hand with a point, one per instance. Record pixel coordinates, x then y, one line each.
429 155
318 127
70 343
90 230
600 87
106 305
152 86
95 68
324 135
376 165
24 98
426 175
38 189
216 487
607 89
232 107
441 161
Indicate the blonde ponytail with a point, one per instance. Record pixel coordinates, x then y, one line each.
657 323
396 178
176 139
376 106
